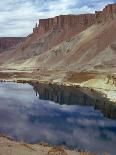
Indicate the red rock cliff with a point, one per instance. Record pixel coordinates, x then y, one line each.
83 21
108 13
8 42
65 22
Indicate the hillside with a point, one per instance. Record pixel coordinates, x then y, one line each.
67 60
78 49
70 42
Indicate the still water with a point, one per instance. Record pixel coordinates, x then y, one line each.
26 117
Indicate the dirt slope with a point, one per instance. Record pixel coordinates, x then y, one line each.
92 49
68 42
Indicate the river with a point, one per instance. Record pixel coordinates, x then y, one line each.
25 116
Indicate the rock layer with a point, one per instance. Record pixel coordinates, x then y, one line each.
72 21
69 43
8 42
65 22
109 12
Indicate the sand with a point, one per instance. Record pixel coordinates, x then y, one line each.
11 147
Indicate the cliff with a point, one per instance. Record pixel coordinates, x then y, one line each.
82 21
69 43
108 13
8 42
65 22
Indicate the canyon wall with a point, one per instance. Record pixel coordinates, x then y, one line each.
80 22
64 22
109 12
8 42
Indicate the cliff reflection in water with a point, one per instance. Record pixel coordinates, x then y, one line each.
73 95
25 116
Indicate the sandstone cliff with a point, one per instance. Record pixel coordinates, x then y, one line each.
108 13
8 42
65 22
82 21
69 43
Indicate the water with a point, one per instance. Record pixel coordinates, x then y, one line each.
25 117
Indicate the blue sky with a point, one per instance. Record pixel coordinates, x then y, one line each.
18 17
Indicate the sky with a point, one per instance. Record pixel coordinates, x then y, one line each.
18 17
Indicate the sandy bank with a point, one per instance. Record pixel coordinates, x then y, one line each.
11 147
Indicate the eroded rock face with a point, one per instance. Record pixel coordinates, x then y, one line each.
109 12
65 22
8 42
57 43
80 22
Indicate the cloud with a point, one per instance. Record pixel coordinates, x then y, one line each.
18 17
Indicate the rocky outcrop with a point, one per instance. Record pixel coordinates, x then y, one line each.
109 12
57 43
65 22
60 28
8 42
80 22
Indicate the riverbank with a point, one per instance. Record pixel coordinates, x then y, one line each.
10 147
92 87
74 94
85 93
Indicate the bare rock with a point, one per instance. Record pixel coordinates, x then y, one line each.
8 42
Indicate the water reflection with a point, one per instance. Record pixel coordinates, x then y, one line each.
25 117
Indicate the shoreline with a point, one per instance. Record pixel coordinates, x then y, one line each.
45 83
8 146
98 97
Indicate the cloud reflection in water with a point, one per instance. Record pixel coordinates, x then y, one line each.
25 117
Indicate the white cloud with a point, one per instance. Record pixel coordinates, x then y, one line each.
18 17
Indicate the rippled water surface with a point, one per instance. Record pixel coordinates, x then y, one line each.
25 117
